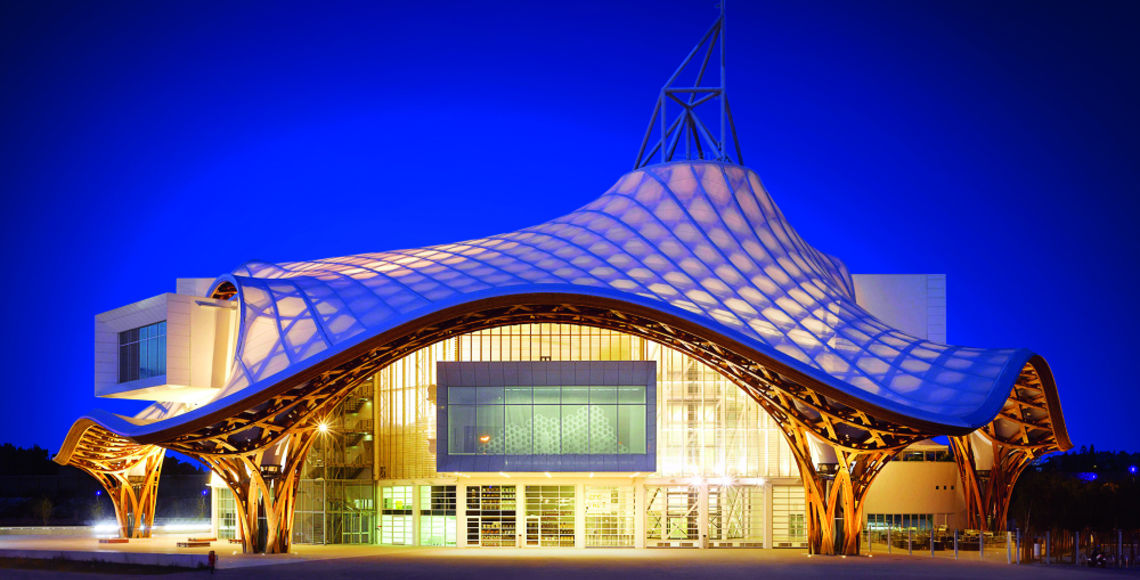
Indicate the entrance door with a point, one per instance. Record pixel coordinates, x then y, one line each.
491 515
736 515
672 516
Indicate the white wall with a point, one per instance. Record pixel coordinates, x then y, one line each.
913 303
918 487
200 336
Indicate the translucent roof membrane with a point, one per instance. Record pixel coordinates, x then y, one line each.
700 240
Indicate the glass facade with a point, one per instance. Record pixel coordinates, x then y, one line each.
396 527
142 352
736 514
672 514
789 523
336 499
437 515
550 515
225 513
610 515
916 522
722 467
491 516
706 426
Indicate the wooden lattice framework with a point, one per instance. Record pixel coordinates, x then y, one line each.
1023 431
128 472
864 437
264 484
258 445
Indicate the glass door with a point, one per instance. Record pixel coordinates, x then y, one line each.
672 514
736 515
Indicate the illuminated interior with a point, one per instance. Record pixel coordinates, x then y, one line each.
723 465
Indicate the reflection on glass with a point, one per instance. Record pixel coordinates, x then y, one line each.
575 429
489 395
603 429
547 395
518 395
461 395
461 426
519 429
604 395
631 429
547 429
575 395
490 439
631 395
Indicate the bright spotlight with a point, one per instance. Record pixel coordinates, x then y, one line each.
323 427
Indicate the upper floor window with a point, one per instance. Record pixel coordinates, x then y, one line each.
940 455
142 352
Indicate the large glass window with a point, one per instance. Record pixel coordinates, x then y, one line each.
142 352
789 527
565 420
437 515
491 515
609 516
550 515
396 515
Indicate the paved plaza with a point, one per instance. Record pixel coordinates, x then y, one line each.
329 562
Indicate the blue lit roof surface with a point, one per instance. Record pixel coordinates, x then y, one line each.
700 240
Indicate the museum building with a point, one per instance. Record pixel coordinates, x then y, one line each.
670 365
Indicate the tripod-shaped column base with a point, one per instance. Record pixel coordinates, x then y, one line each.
264 484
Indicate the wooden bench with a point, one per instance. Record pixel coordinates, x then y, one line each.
113 540
201 539
193 544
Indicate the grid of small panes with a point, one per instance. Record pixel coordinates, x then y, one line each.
521 420
142 352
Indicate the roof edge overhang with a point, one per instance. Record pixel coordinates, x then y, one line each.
169 428
1053 401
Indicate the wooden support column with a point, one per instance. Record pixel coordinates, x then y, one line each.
264 483
963 450
835 491
132 487
988 493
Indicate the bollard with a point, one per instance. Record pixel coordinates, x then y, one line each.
955 544
910 542
981 544
1008 546
888 539
1018 546
932 541
868 540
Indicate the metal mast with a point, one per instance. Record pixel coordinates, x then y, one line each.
675 118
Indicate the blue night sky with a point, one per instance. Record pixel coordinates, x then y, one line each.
995 142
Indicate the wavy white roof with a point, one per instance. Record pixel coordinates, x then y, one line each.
699 240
